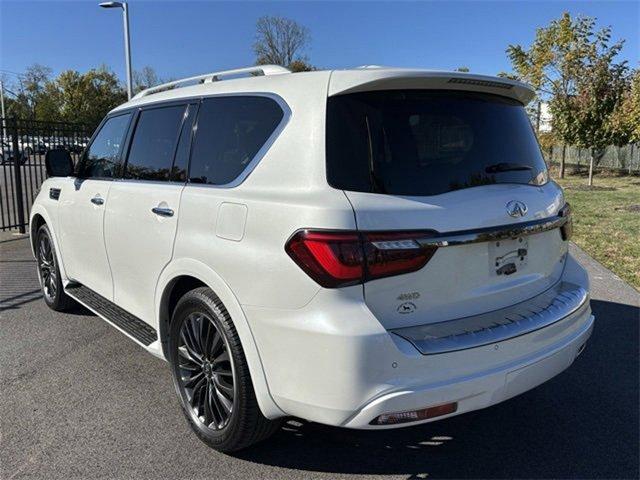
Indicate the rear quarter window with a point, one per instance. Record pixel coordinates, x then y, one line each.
421 143
229 134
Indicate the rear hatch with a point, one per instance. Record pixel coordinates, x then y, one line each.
450 165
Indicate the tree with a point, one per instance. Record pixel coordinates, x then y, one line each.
625 120
462 69
301 66
145 78
86 98
71 97
28 92
15 104
585 115
281 41
572 66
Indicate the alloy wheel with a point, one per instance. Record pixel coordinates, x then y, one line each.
206 371
47 267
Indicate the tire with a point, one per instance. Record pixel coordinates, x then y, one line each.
214 387
49 272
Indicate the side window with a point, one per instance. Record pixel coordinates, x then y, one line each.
154 142
101 159
179 170
230 132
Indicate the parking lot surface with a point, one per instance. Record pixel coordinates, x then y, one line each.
80 400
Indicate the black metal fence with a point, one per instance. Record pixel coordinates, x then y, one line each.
22 168
624 159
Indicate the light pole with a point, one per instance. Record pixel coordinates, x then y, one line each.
2 99
127 41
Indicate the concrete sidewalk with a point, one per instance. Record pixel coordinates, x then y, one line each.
80 400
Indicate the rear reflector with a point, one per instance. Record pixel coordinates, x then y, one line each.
415 415
342 258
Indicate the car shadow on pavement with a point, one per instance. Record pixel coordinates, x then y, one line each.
20 300
581 424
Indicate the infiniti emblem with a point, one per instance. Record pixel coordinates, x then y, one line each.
516 208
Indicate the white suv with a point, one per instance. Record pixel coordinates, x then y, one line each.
365 248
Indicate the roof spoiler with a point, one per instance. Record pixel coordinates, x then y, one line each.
385 78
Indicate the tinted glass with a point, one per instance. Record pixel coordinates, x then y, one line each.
179 171
428 143
154 143
231 130
101 159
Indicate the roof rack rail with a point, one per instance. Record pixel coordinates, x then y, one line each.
258 70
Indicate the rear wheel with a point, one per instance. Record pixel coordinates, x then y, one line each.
49 272
211 375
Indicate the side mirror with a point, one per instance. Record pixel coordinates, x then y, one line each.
58 163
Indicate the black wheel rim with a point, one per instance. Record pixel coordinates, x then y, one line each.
47 267
206 371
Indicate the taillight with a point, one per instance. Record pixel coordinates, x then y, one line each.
566 231
394 253
332 259
338 259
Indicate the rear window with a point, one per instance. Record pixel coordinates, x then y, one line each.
429 142
154 143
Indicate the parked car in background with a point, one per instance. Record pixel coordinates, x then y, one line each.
40 147
77 146
367 248
7 154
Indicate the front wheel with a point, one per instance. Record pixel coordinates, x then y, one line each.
211 375
49 272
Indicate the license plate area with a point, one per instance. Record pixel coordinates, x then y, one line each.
508 256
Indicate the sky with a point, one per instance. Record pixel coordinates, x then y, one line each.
180 39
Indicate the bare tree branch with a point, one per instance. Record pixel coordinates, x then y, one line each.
281 41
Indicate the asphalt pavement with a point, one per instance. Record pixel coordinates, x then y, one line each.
80 400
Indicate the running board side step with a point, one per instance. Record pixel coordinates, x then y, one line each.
112 313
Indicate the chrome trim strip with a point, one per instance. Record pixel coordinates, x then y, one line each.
545 309
463 237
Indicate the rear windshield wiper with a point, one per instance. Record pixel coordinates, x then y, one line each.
507 167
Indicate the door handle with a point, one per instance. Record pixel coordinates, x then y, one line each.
97 200
162 212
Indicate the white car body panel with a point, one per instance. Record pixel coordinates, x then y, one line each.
138 256
460 281
325 355
81 234
47 210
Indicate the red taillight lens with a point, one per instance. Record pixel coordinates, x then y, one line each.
333 259
338 259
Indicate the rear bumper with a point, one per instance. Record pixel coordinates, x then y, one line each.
332 361
482 389
547 308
